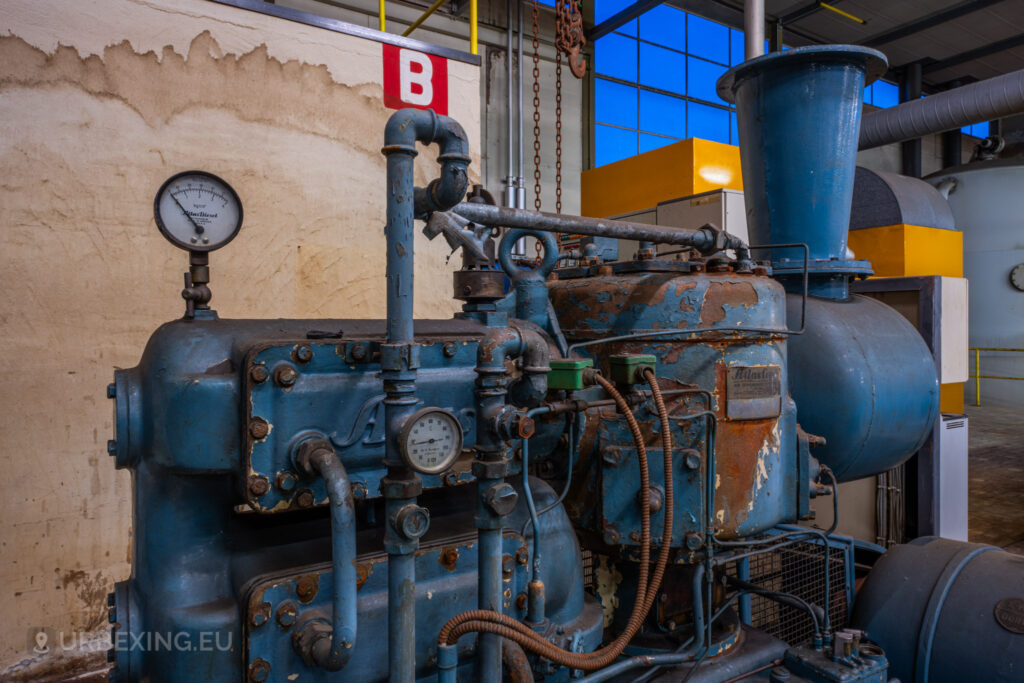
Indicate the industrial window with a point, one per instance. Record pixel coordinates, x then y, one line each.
655 81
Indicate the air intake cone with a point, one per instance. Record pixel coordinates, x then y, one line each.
799 120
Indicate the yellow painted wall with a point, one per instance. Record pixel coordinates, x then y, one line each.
101 101
677 170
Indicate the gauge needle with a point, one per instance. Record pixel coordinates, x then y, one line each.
417 443
199 229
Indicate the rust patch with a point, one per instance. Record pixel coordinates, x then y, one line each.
363 571
306 587
91 590
449 557
721 294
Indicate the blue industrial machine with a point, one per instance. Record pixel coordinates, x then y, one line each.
482 497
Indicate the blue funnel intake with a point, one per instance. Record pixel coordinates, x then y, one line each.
799 121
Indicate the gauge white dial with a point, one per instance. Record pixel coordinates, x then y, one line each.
197 211
431 440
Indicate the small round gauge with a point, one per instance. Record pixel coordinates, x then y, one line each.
431 440
1017 277
197 211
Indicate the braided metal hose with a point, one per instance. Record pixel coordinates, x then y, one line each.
487 621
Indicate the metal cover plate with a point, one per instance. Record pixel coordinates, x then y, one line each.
753 392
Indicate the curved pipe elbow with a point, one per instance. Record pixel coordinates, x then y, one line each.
330 647
405 128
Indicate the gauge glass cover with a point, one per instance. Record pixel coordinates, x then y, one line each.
431 440
198 211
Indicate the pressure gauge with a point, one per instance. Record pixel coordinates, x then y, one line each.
197 211
1017 277
431 440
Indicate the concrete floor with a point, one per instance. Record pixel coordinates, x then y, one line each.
996 473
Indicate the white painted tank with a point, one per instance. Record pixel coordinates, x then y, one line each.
987 198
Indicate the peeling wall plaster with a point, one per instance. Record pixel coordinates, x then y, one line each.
99 103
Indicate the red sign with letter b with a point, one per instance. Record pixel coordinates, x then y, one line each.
415 79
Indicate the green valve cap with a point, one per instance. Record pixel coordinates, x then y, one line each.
624 369
567 374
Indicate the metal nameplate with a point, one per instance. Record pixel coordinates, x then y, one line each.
753 393
1009 612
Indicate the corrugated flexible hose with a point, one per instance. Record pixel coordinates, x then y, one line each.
486 621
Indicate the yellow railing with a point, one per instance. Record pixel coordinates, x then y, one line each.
977 369
473 21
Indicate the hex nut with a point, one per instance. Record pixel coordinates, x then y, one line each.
258 485
305 499
258 428
691 459
303 354
258 373
694 540
259 671
359 491
285 375
450 349
501 499
286 614
285 481
305 589
260 615
358 352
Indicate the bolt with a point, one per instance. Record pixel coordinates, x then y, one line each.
656 498
285 481
259 671
258 373
521 602
412 521
258 485
780 672
525 427
500 499
111 447
305 499
260 615
449 478
303 354
694 540
467 290
450 349
522 556
634 536
359 352
359 491
285 375
691 459
611 456
258 428
111 390
286 613
506 567
305 589
611 537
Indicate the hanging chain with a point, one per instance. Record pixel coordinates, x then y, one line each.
558 132
569 36
536 105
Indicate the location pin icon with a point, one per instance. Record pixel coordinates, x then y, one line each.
41 640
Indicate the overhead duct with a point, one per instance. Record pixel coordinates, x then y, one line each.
983 101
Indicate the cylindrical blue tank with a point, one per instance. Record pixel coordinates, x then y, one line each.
863 378
946 612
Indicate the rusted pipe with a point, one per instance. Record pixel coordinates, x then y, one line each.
706 239
517 666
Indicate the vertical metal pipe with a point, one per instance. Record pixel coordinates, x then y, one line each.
753 27
381 11
402 617
510 183
743 573
520 180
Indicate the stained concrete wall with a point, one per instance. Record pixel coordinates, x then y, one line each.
99 103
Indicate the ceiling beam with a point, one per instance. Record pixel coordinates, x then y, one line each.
976 53
934 19
623 16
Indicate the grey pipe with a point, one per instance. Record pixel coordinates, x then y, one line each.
706 239
986 100
520 179
510 183
753 26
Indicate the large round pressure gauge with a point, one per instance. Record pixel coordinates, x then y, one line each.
431 440
198 211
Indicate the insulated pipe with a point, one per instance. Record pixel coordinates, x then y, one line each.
399 355
330 646
753 27
705 239
986 100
